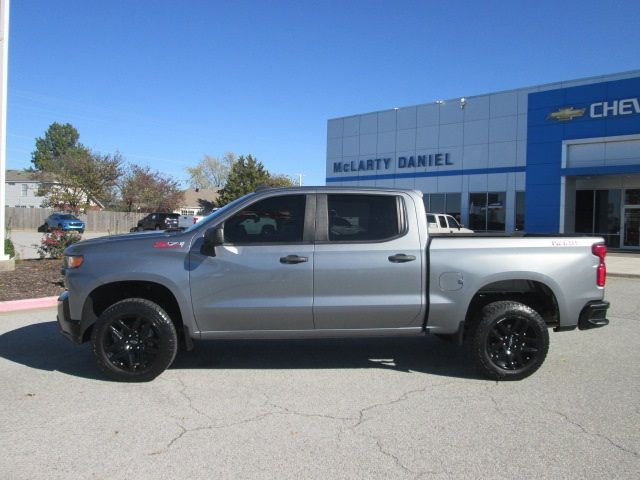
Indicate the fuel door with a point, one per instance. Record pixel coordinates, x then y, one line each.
451 281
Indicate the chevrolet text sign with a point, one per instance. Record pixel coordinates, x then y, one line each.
613 108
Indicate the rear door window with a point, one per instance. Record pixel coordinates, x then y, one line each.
358 218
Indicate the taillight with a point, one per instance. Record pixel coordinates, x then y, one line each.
600 251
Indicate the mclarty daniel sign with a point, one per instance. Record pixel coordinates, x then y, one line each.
374 164
613 108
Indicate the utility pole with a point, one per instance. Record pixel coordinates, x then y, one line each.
5 263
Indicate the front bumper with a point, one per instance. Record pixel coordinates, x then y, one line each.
68 327
593 315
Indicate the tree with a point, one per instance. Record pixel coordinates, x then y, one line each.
280 180
78 178
211 172
57 141
245 176
71 175
143 190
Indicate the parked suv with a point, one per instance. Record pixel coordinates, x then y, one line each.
158 221
63 221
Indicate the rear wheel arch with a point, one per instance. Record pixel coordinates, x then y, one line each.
107 295
533 293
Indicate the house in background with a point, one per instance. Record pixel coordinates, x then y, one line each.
22 190
195 201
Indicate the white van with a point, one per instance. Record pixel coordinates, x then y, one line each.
442 223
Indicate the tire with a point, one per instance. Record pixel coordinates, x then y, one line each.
510 341
80 232
134 340
140 229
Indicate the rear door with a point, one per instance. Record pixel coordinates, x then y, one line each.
368 268
262 277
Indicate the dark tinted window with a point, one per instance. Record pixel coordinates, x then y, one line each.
362 217
442 221
273 220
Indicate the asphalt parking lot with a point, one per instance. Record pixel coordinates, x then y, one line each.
384 408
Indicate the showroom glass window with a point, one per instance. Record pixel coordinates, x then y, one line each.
519 220
363 218
443 203
487 211
273 220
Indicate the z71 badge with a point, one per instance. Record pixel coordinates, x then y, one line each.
162 244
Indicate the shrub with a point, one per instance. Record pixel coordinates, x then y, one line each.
53 244
9 248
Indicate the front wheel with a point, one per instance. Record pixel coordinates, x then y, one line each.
510 341
134 340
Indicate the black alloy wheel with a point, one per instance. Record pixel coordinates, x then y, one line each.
513 343
134 340
510 342
132 344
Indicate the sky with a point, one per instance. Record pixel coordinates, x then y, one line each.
165 82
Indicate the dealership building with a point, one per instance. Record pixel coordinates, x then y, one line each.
555 158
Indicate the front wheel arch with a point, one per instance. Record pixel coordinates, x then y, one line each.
106 295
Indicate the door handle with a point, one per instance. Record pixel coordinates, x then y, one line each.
401 258
291 259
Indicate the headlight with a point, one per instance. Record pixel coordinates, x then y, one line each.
72 261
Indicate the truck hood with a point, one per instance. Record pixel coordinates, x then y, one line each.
111 241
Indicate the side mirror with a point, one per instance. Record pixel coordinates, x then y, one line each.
212 238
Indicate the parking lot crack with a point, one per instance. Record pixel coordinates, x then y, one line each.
595 434
405 396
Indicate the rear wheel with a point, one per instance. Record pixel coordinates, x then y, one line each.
134 340
510 341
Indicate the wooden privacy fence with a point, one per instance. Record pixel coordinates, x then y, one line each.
111 222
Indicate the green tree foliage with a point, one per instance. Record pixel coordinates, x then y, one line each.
280 180
211 172
57 141
73 177
143 190
245 176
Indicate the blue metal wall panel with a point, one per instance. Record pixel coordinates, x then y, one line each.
544 142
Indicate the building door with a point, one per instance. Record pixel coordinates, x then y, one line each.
631 219
598 213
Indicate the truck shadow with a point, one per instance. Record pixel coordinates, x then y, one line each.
41 346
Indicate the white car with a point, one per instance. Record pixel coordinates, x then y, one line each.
443 223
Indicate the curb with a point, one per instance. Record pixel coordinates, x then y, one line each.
623 275
28 304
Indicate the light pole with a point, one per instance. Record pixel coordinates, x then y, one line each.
300 175
5 263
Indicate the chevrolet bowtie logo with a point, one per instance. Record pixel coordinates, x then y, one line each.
567 113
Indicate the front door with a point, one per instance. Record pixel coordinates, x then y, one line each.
262 277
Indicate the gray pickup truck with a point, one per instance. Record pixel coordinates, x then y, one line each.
327 262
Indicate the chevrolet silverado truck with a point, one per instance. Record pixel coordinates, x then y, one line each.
318 262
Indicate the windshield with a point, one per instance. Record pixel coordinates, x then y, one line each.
67 217
452 222
218 212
